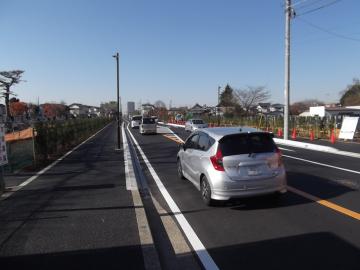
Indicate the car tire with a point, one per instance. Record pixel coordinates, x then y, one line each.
205 191
2 186
180 170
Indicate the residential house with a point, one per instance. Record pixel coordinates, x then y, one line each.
199 111
269 109
94 111
79 110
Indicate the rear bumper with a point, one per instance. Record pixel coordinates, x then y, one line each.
148 131
228 189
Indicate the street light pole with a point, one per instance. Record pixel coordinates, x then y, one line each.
218 106
117 101
288 13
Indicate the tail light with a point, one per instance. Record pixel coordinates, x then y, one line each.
279 156
277 161
217 160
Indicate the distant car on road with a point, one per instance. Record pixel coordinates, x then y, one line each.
148 125
194 124
233 162
135 121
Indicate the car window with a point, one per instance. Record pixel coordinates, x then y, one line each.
136 118
247 143
198 122
148 121
204 142
192 142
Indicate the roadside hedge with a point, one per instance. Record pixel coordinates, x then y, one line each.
55 138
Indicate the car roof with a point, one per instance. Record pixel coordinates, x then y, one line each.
218 132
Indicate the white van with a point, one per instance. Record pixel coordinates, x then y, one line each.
148 125
136 121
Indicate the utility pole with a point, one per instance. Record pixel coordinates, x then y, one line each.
118 102
218 106
288 14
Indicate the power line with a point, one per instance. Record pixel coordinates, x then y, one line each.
309 4
318 8
298 2
328 31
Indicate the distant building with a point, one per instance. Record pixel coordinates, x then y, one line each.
323 111
93 111
269 109
78 110
130 107
199 111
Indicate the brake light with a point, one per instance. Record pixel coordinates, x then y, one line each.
279 156
217 161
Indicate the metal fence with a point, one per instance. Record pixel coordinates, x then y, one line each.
319 128
20 154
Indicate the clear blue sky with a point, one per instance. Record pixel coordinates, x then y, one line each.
174 50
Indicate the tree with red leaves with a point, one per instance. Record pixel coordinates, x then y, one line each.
53 110
18 108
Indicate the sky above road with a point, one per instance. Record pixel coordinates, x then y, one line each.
178 51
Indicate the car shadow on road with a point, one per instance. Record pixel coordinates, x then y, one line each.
314 185
321 250
126 257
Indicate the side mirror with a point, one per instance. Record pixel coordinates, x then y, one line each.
182 146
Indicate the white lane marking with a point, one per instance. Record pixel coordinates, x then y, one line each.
32 178
194 240
285 149
181 140
322 164
129 173
150 256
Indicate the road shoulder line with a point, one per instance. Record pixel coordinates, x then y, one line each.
150 255
188 231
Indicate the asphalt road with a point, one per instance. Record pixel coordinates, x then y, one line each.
294 233
77 215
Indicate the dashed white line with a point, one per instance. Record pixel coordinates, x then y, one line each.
323 164
285 149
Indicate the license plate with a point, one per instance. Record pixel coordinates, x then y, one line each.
253 171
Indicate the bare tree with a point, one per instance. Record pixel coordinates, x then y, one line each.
7 80
251 96
160 104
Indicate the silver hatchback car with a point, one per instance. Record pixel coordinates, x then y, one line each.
225 163
194 124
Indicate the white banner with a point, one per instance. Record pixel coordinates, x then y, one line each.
348 127
3 153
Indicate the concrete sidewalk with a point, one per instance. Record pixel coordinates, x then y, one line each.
76 215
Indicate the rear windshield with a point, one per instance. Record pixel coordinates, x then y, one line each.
247 143
148 121
136 118
198 122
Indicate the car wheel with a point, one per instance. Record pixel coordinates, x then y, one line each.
205 190
179 169
2 186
